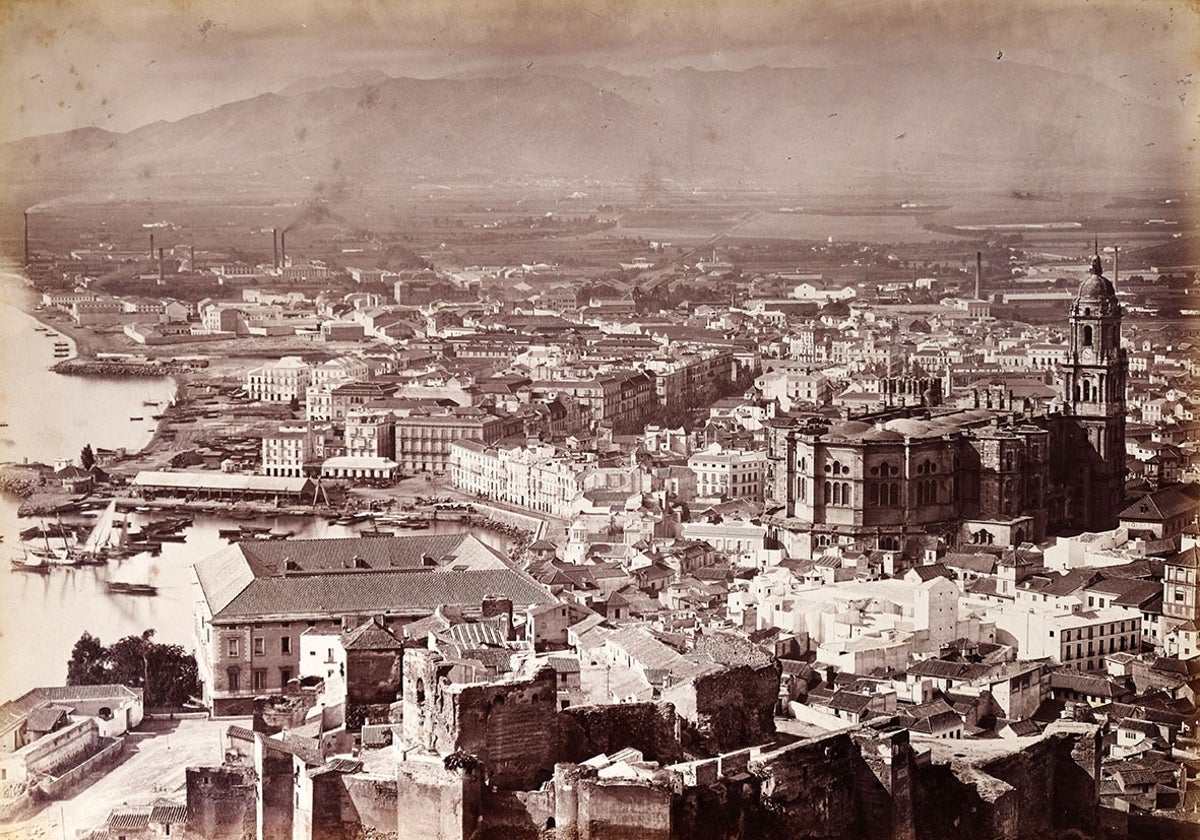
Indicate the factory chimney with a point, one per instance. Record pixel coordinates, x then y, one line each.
1116 263
283 249
192 258
275 246
978 272
151 244
160 266
27 238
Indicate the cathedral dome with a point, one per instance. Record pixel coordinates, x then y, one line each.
1095 288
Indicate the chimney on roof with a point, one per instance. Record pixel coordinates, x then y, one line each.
283 567
830 676
978 272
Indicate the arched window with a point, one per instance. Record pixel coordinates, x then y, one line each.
420 692
1087 336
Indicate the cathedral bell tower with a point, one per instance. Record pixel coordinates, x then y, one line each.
1094 398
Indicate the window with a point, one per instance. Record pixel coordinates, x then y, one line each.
285 676
285 644
233 649
260 679
234 678
260 646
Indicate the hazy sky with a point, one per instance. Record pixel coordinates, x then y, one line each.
119 64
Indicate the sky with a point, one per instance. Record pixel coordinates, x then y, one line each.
119 64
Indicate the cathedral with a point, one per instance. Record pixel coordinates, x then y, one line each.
1000 473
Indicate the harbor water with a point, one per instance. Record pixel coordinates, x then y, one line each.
50 417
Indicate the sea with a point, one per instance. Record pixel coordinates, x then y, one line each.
48 417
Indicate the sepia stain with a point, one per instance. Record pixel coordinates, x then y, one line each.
35 159
301 134
369 99
79 85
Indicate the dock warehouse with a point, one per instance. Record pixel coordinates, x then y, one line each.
218 485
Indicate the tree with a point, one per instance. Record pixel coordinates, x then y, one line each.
87 457
167 674
87 663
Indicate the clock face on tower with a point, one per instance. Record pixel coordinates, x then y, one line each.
1088 354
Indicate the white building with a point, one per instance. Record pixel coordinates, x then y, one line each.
728 474
1079 639
285 453
281 381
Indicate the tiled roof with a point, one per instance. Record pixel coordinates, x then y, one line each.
945 669
370 636
129 820
415 592
1091 685
980 563
15 711
1160 506
1189 558
170 813
474 634
931 571
406 552
45 718
849 701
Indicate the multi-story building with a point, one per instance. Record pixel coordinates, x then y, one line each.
793 387
999 474
1079 640
339 370
728 474
1181 588
288 451
539 478
281 381
424 437
370 434
691 379
254 600
622 400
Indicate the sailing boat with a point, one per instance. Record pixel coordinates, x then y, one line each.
28 563
108 533
52 555
135 580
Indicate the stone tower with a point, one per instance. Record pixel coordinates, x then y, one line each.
1094 397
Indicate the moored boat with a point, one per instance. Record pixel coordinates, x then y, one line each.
125 588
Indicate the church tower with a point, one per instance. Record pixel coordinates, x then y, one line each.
1094 397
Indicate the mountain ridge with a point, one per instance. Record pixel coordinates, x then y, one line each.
989 126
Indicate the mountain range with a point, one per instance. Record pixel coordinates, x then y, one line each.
964 125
